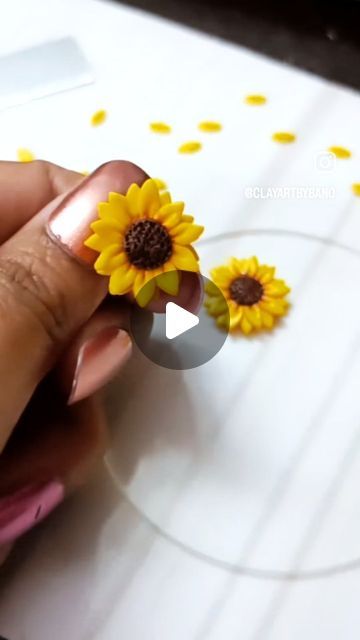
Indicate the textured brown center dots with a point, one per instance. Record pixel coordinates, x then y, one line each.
147 244
246 291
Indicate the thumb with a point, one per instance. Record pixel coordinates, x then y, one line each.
47 292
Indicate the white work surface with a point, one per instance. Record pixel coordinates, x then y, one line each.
230 504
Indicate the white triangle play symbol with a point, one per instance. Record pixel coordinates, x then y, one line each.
178 320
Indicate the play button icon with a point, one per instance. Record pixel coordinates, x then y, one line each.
178 320
178 339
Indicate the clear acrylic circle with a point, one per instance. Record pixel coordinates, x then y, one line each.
252 461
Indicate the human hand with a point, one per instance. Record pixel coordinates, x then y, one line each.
61 338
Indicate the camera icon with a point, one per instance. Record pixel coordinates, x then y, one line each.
325 161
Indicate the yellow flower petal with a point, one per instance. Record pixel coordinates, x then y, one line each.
146 293
253 315
109 260
186 218
120 202
122 280
170 214
234 267
132 197
265 274
99 243
235 318
252 266
223 321
216 306
105 239
246 326
113 215
139 282
276 288
211 288
165 198
221 272
161 184
356 188
276 307
184 259
106 230
169 282
149 200
267 319
186 233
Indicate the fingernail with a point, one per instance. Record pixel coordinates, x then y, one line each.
98 360
25 508
69 223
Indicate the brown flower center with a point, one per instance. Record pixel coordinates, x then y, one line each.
246 291
147 244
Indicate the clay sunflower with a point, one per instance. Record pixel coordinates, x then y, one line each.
143 239
253 296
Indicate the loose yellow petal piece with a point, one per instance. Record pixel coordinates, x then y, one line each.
169 282
340 152
190 147
98 118
160 127
209 126
255 99
25 155
284 137
356 189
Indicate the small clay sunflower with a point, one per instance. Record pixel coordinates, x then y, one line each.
144 239
253 296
